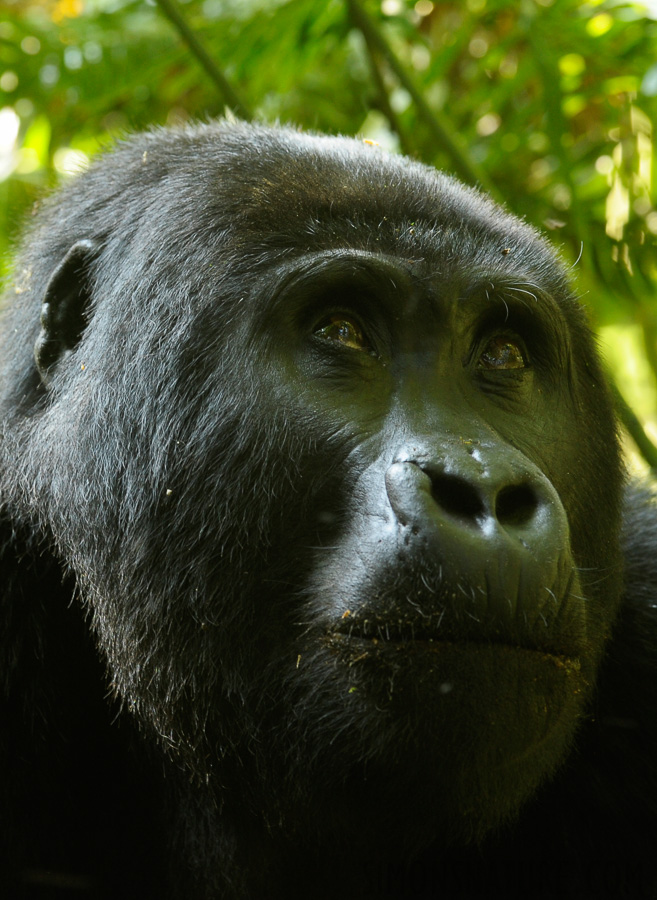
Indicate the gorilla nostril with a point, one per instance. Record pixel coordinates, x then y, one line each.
516 505
457 497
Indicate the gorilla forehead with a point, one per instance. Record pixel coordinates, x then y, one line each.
263 190
303 189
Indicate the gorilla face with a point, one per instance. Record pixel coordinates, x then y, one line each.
448 642
323 437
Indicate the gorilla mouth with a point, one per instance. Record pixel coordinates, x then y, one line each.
379 633
548 619
391 631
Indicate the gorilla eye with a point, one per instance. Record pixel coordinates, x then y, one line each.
502 352
343 330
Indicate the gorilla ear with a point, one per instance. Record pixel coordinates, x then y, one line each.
64 304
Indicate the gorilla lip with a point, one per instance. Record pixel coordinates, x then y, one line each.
381 633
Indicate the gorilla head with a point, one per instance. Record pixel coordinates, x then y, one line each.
322 439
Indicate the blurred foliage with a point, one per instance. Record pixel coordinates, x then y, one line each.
548 103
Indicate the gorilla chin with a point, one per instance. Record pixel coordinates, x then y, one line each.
420 740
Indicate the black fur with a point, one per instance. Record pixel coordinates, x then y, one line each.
311 550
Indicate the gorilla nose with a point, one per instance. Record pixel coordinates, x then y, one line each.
473 505
492 522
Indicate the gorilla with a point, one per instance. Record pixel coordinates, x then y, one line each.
320 572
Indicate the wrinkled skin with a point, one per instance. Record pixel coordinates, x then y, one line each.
318 441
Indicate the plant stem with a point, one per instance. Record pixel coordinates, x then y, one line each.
172 12
440 128
635 429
